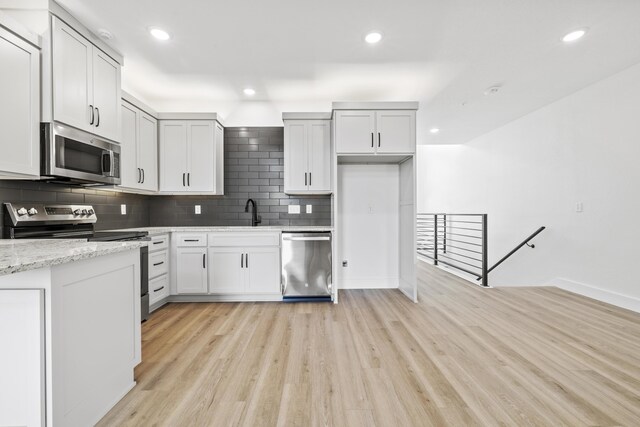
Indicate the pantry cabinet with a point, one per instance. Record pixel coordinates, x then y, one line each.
86 83
20 106
191 157
375 132
307 156
139 155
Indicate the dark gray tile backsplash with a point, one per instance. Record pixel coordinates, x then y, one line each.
253 169
254 165
106 203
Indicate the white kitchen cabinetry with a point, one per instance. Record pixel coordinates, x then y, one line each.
191 263
158 271
191 157
20 106
375 132
307 156
139 156
246 263
86 83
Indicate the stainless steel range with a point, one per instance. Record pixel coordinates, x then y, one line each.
59 221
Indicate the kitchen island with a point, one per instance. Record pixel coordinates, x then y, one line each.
69 327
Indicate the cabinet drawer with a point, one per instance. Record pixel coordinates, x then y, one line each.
158 263
189 240
158 289
159 242
248 238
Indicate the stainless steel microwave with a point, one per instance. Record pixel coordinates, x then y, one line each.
69 154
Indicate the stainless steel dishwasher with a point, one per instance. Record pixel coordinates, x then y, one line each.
306 266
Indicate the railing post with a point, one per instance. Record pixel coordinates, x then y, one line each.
435 239
485 252
444 233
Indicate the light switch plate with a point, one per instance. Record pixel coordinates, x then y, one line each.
123 209
294 209
309 208
198 209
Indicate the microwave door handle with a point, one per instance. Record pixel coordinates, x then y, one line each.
108 162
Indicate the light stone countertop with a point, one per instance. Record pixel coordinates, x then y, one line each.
154 231
31 254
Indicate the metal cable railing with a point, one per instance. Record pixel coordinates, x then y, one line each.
455 240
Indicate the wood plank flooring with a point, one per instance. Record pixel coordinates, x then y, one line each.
462 356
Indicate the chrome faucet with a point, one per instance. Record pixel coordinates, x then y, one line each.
255 218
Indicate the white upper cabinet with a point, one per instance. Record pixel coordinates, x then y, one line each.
20 107
86 84
139 155
191 156
375 132
396 131
307 156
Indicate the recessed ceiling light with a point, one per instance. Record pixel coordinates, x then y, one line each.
434 130
373 37
249 91
159 33
492 90
574 35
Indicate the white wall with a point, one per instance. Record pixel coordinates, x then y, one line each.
532 172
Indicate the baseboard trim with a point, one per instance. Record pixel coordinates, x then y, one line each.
372 283
603 295
226 298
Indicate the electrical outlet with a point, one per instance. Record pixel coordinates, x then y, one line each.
309 208
294 209
198 210
345 263
123 209
579 207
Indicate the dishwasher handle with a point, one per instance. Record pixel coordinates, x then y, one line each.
306 239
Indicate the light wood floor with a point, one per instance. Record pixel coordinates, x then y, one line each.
462 356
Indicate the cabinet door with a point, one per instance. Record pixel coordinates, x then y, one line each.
191 270
201 155
173 155
355 131
158 289
396 131
106 95
129 170
22 357
219 161
296 165
227 271
72 57
319 148
20 108
148 151
263 270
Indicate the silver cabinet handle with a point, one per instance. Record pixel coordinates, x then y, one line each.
98 119
305 239
91 108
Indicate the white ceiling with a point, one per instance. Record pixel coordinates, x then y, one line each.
301 55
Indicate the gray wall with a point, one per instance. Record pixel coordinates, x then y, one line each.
106 203
253 169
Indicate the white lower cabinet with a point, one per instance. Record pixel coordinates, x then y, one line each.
239 270
191 270
158 289
158 270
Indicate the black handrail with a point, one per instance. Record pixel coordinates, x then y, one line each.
514 250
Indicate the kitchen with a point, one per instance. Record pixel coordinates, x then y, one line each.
208 230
